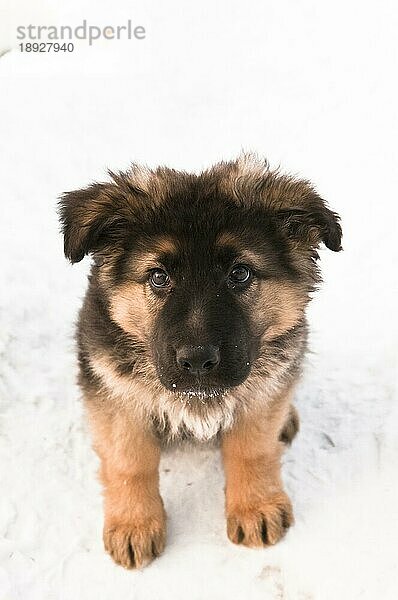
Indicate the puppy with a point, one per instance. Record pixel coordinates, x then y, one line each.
193 326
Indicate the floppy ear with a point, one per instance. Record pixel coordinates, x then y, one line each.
312 223
92 218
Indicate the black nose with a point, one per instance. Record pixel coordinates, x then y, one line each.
198 360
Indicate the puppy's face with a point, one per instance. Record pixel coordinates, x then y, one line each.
193 295
200 334
202 272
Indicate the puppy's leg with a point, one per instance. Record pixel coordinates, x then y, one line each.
258 510
135 520
291 426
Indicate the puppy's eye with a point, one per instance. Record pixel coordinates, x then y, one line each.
159 278
239 274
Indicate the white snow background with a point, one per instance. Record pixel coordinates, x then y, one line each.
310 85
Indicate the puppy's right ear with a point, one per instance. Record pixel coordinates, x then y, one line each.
92 218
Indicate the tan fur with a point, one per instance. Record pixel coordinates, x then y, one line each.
130 309
144 261
247 166
155 183
141 176
135 520
258 510
120 387
165 245
283 303
131 306
228 240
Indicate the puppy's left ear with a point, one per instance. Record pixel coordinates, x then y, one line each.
312 222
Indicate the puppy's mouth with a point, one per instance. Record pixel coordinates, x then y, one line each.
198 391
200 388
200 394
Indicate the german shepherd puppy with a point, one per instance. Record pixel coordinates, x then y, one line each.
193 326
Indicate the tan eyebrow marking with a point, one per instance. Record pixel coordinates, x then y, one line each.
252 258
146 260
229 240
165 244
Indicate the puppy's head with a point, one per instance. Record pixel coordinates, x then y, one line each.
204 271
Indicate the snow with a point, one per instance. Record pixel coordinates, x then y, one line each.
309 86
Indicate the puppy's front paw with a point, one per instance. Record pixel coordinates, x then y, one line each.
260 523
134 545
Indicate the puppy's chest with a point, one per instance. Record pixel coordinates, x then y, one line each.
196 419
170 435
